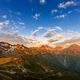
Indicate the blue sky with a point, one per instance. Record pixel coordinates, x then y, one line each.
37 17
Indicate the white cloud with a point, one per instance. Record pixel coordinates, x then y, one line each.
34 33
67 4
36 16
42 1
61 16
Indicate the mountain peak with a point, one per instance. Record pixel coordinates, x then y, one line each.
73 49
74 46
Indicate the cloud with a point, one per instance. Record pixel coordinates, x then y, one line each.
4 16
70 37
69 41
36 16
54 35
58 28
42 1
34 33
54 11
4 25
69 12
49 36
12 38
14 31
21 23
7 22
67 4
55 38
18 13
18 39
61 16
51 32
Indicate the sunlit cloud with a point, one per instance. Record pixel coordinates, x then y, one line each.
69 41
18 39
53 37
70 37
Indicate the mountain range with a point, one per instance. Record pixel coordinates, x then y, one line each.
39 63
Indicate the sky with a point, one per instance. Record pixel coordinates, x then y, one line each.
30 22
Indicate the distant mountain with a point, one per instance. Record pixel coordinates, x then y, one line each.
73 49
